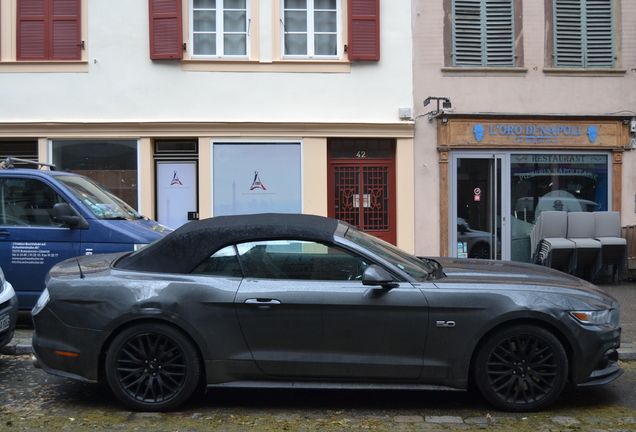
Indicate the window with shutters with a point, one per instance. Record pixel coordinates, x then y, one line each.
43 36
583 34
220 28
483 33
48 30
311 29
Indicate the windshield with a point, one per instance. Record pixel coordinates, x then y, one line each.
98 199
414 266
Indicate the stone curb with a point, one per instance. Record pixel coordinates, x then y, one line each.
16 349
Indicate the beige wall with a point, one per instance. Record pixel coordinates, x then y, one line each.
532 89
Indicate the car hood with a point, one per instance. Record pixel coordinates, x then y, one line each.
137 231
509 273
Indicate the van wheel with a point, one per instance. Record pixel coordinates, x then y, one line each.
152 367
523 368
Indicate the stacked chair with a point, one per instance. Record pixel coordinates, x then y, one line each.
588 249
607 230
579 242
548 242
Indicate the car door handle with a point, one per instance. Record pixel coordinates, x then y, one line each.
262 302
4 233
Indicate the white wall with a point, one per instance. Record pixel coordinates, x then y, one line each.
123 84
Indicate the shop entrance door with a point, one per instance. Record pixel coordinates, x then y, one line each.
362 185
477 224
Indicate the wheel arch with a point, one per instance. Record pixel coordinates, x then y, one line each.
147 320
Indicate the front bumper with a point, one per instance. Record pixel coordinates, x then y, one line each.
598 363
11 308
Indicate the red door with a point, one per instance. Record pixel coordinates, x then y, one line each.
362 185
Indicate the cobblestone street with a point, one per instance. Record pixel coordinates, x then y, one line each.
32 400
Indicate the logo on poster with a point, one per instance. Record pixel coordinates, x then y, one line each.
175 180
256 183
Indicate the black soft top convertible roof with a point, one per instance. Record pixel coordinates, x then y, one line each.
185 248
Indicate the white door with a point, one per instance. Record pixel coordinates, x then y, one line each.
176 193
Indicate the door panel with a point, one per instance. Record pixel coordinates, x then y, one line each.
477 217
333 329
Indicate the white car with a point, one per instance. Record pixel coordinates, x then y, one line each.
8 310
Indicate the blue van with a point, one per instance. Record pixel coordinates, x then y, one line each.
48 216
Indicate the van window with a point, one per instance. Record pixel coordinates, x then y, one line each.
27 202
98 199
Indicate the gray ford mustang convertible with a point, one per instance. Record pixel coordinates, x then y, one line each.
302 300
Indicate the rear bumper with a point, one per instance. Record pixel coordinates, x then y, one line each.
77 357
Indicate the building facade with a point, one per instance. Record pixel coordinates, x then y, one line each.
532 109
196 108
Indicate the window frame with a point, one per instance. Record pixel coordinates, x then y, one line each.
220 33
583 62
311 34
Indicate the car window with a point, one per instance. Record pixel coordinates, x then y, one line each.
27 202
222 263
295 259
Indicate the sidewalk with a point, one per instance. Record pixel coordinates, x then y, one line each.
624 292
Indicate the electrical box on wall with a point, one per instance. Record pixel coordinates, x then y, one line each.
632 126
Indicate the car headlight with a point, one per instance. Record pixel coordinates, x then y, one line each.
138 246
42 302
597 317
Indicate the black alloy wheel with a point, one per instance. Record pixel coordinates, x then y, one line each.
523 368
152 367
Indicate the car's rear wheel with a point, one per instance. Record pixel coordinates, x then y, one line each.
152 367
522 368
480 251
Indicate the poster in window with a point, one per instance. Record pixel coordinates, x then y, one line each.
257 178
176 192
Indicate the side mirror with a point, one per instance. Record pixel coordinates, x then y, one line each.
375 275
66 214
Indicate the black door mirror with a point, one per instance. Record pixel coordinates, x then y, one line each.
375 275
66 214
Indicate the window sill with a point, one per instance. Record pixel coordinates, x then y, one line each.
483 71
302 66
599 72
44 66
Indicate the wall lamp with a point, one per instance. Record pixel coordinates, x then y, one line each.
446 104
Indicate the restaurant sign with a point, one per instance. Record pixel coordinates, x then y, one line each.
535 133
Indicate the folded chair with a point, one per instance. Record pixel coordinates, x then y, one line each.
588 250
548 242
607 230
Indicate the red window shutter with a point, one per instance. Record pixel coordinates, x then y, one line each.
65 41
49 30
364 30
165 29
31 31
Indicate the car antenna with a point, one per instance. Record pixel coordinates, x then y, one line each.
77 261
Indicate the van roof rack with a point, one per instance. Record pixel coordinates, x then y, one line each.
8 163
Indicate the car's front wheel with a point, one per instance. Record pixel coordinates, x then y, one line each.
522 368
152 367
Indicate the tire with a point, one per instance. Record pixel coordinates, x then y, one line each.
152 367
480 251
523 368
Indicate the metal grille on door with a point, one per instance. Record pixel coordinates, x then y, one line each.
368 210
